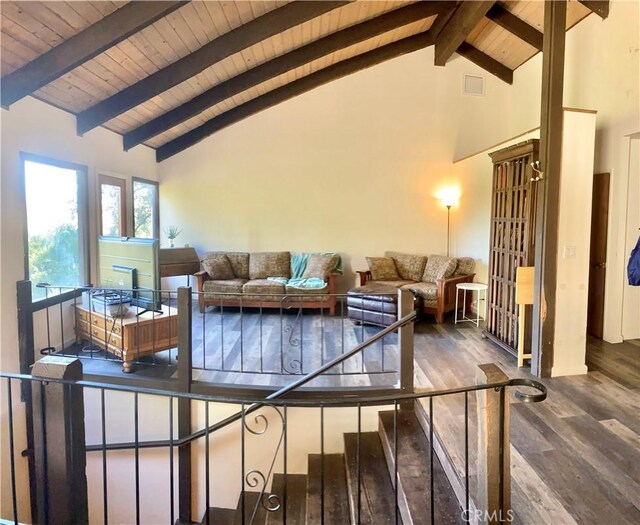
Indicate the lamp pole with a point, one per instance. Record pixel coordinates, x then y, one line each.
448 223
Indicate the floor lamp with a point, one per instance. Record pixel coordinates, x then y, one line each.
448 201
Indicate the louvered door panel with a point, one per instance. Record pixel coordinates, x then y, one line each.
512 239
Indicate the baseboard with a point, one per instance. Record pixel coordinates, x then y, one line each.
575 370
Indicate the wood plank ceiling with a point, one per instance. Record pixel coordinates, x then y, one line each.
168 74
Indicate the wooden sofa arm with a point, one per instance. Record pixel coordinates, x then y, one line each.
333 282
365 276
201 277
447 288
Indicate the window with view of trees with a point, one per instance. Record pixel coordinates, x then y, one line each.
112 206
57 244
145 209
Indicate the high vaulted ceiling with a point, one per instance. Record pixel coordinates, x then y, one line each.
168 74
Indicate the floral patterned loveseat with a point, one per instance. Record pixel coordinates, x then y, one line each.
431 279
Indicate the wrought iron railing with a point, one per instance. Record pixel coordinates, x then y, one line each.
262 455
240 345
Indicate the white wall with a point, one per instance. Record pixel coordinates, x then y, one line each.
34 127
631 294
574 242
354 166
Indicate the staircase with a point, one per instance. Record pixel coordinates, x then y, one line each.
357 486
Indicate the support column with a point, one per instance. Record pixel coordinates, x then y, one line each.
546 237
60 448
405 343
185 370
494 477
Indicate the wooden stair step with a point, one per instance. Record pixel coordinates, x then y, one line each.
377 497
414 476
218 516
296 499
336 502
251 499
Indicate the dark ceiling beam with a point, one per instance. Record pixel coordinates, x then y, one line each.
293 89
80 48
258 29
294 59
599 8
501 16
456 30
487 63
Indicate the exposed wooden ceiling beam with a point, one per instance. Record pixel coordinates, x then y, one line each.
293 89
299 57
501 16
458 28
82 47
486 62
265 26
600 8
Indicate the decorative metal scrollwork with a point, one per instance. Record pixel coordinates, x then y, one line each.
295 367
256 478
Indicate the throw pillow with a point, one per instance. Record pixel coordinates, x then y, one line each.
269 264
410 267
320 266
465 266
383 269
439 267
218 267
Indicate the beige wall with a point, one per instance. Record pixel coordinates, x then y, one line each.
354 166
34 127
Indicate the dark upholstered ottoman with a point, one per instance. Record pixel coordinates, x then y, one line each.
373 304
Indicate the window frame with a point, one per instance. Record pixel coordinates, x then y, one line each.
109 180
155 220
84 227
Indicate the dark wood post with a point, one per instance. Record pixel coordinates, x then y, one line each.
494 479
60 455
548 195
185 343
26 357
405 343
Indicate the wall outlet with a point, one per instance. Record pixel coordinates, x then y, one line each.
569 252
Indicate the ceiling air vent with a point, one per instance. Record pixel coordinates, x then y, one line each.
473 85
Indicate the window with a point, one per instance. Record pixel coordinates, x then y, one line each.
112 206
57 218
146 218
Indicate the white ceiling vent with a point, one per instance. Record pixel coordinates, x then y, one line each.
473 85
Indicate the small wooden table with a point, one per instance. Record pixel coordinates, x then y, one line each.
129 337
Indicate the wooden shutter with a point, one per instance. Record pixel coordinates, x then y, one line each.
512 239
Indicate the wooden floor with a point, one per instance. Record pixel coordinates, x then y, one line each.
575 458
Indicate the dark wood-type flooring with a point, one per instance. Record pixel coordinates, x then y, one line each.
575 458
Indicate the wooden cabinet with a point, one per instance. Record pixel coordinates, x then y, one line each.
513 211
129 337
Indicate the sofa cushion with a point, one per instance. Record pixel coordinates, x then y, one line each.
438 267
396 284
428 292
263 286
218 267
320 266
410 267
222 287
465 266
239 262
300 292
383 269
269 264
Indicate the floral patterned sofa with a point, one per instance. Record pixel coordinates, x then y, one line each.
431 279
263 280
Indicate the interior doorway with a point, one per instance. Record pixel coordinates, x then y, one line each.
598 254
